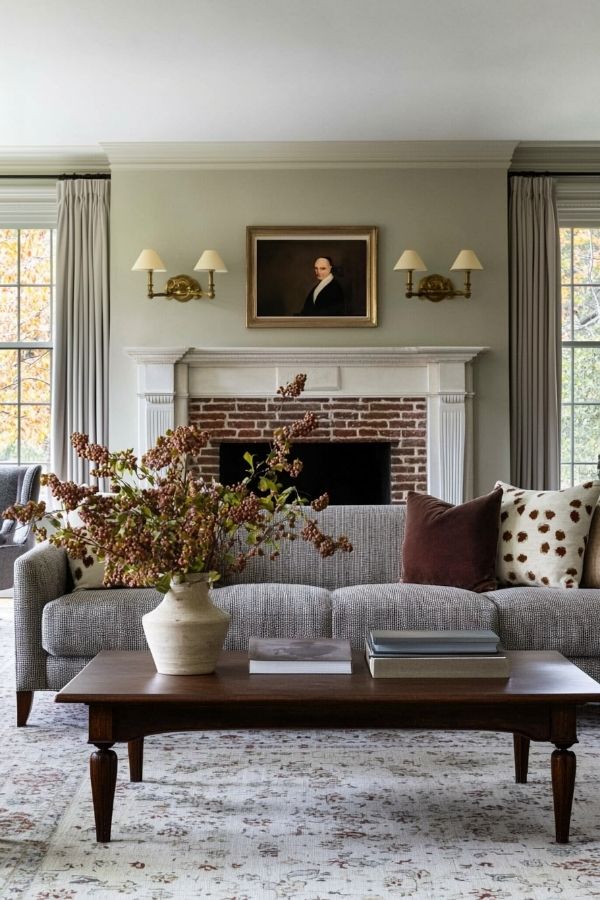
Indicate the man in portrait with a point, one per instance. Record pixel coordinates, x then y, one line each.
326 298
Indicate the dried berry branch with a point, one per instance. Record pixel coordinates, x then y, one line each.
163 518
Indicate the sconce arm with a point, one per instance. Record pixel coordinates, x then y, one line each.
183 288
437 287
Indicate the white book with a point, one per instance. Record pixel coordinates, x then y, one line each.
283 656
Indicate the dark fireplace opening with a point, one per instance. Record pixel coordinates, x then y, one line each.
351 472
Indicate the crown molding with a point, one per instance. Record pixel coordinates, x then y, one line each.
311 155
557 156
51 161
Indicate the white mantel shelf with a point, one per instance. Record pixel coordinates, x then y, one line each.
257 356
169 376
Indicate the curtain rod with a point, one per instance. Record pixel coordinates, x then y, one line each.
555 174
57 176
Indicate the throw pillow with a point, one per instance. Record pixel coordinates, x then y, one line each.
84 577
543 535
591 559
451 545
87 578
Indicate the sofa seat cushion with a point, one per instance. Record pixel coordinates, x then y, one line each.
549 619
85 622
355 610
274 610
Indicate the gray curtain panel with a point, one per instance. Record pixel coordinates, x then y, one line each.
80 371
534 253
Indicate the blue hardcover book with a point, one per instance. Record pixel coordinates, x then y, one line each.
408 643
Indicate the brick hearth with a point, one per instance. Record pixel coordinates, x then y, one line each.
400 421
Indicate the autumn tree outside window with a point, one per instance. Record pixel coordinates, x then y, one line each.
580 405
27 285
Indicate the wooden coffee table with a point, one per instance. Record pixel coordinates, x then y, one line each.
128 700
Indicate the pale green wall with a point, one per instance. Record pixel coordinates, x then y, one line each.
436 212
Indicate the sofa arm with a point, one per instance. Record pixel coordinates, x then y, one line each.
41 575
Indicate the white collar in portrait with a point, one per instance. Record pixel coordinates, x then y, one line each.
320 286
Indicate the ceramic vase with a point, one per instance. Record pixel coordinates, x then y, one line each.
185 632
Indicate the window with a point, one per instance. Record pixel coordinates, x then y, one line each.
27 283
580 408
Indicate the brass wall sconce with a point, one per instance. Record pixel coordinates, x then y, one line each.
181 287
437 287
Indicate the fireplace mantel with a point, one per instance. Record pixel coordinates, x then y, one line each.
169 376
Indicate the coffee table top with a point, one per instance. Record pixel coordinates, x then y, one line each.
130 677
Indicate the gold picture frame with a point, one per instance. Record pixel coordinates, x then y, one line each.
287 264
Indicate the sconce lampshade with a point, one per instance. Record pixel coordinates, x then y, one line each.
410 261
149 260
210 261
466 261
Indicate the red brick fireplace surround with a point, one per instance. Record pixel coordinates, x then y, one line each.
400 422
419 399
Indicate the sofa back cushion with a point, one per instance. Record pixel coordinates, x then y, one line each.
376 533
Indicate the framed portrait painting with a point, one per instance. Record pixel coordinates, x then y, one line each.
311 277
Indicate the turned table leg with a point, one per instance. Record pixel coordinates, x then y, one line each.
521 750
135 750
563 786
103 774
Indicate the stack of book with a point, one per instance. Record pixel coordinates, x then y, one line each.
279 656
436 654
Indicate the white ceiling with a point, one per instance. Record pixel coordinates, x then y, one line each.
82 73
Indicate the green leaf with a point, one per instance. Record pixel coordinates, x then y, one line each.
164 583
267 484
249 458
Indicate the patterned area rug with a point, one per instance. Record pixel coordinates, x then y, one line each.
271 815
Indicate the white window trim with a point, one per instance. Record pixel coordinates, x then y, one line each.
28 205
578 202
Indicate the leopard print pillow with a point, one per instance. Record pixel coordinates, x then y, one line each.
543 535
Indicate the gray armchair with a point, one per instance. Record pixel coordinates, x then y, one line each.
18 484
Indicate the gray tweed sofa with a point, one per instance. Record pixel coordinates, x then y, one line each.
57 632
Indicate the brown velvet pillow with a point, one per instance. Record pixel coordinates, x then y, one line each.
591 560
451 545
